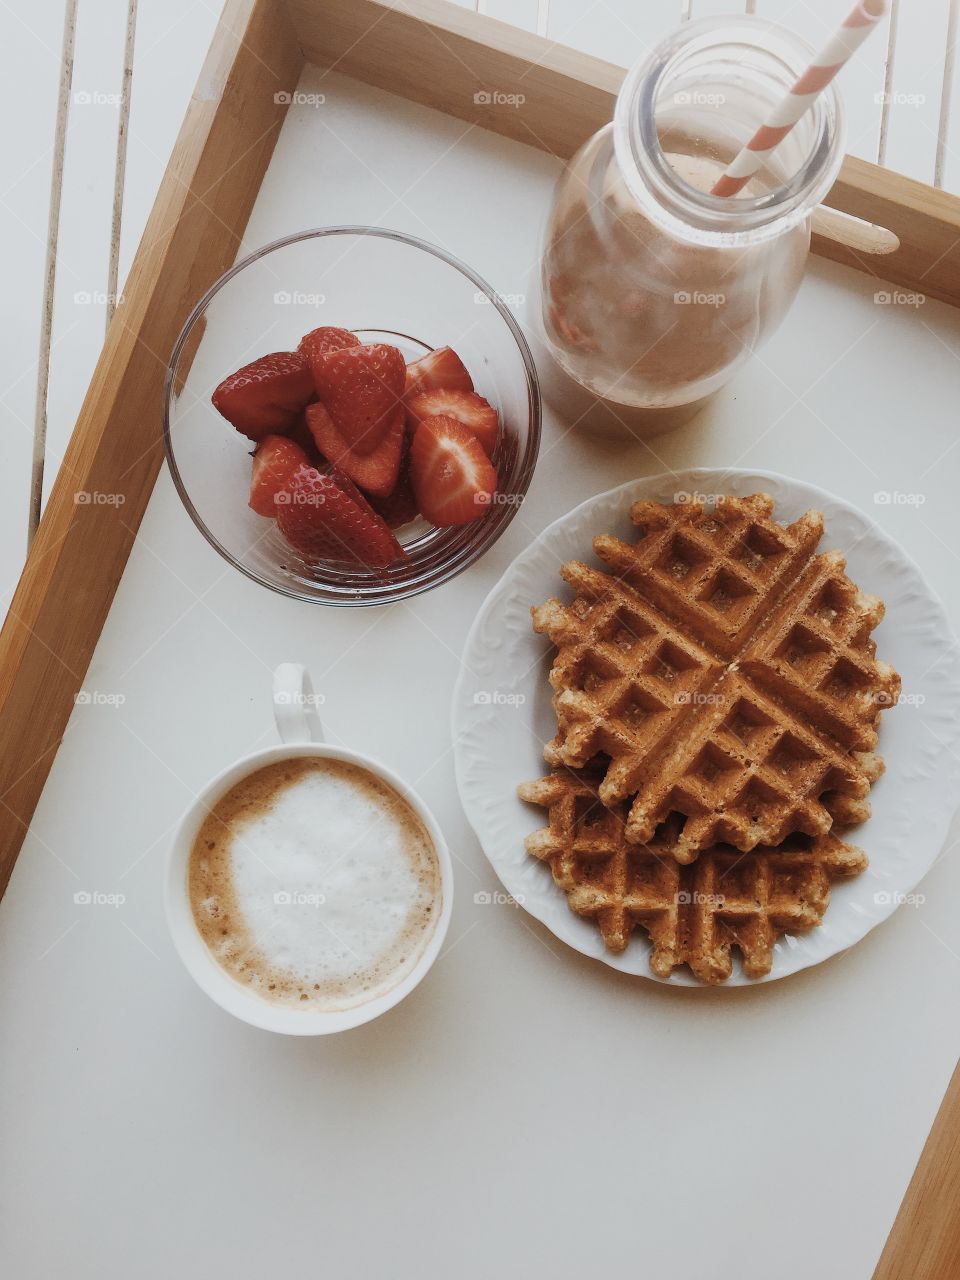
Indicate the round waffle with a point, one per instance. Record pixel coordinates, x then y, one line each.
724 675
694 914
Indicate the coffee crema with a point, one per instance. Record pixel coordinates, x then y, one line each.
315 884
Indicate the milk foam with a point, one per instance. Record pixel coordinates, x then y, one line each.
315 883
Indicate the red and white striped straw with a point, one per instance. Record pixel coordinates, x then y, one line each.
841 47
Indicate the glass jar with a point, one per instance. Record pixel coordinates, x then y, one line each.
653 291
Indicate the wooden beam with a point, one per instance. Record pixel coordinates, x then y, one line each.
924 1243
108 473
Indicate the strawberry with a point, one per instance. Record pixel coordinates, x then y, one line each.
400 506
275 461
323 522
373 470
439 368
300 434
370 504
360 387
467 407
316 344
452 476
265 397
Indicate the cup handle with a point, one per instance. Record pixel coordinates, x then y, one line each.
295 705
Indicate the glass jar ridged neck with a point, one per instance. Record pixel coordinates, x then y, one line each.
708 88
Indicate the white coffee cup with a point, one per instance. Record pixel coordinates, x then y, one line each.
301 735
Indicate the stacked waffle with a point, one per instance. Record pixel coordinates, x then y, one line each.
717 695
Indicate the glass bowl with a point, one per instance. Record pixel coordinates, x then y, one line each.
386 287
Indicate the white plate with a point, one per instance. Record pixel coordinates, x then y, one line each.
502 716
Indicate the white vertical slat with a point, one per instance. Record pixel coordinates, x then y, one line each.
946 138
951 127
172 40
120 168
519 13
87 214
621 31
29 89
860 82
50 266
916 83
713 8
893 27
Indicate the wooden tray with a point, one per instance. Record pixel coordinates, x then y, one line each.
440 55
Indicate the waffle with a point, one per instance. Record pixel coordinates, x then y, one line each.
722 670
694 914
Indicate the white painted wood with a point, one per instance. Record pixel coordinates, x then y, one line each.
861 81
120 168
51 258
523 1112
916 88
949 125
85 221
519 13
171 42
172 39
712 8
28 95
621 31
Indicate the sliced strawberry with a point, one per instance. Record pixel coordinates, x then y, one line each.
467 407
316 344
265 397
275 461
300 434
373 470
364 501
323 522
439 368
361 387
452 476
400 506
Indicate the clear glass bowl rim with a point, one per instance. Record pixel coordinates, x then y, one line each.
506 512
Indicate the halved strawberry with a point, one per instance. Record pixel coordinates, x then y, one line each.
374 470
467 407
316 344
439 368
452 476
274 463
323 522
361 387
265 397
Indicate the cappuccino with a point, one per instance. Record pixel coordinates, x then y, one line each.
315 884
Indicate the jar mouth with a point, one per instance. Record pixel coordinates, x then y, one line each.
748 52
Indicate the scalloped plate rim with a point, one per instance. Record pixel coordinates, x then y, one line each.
791 954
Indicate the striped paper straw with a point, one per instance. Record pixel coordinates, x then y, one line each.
836 52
